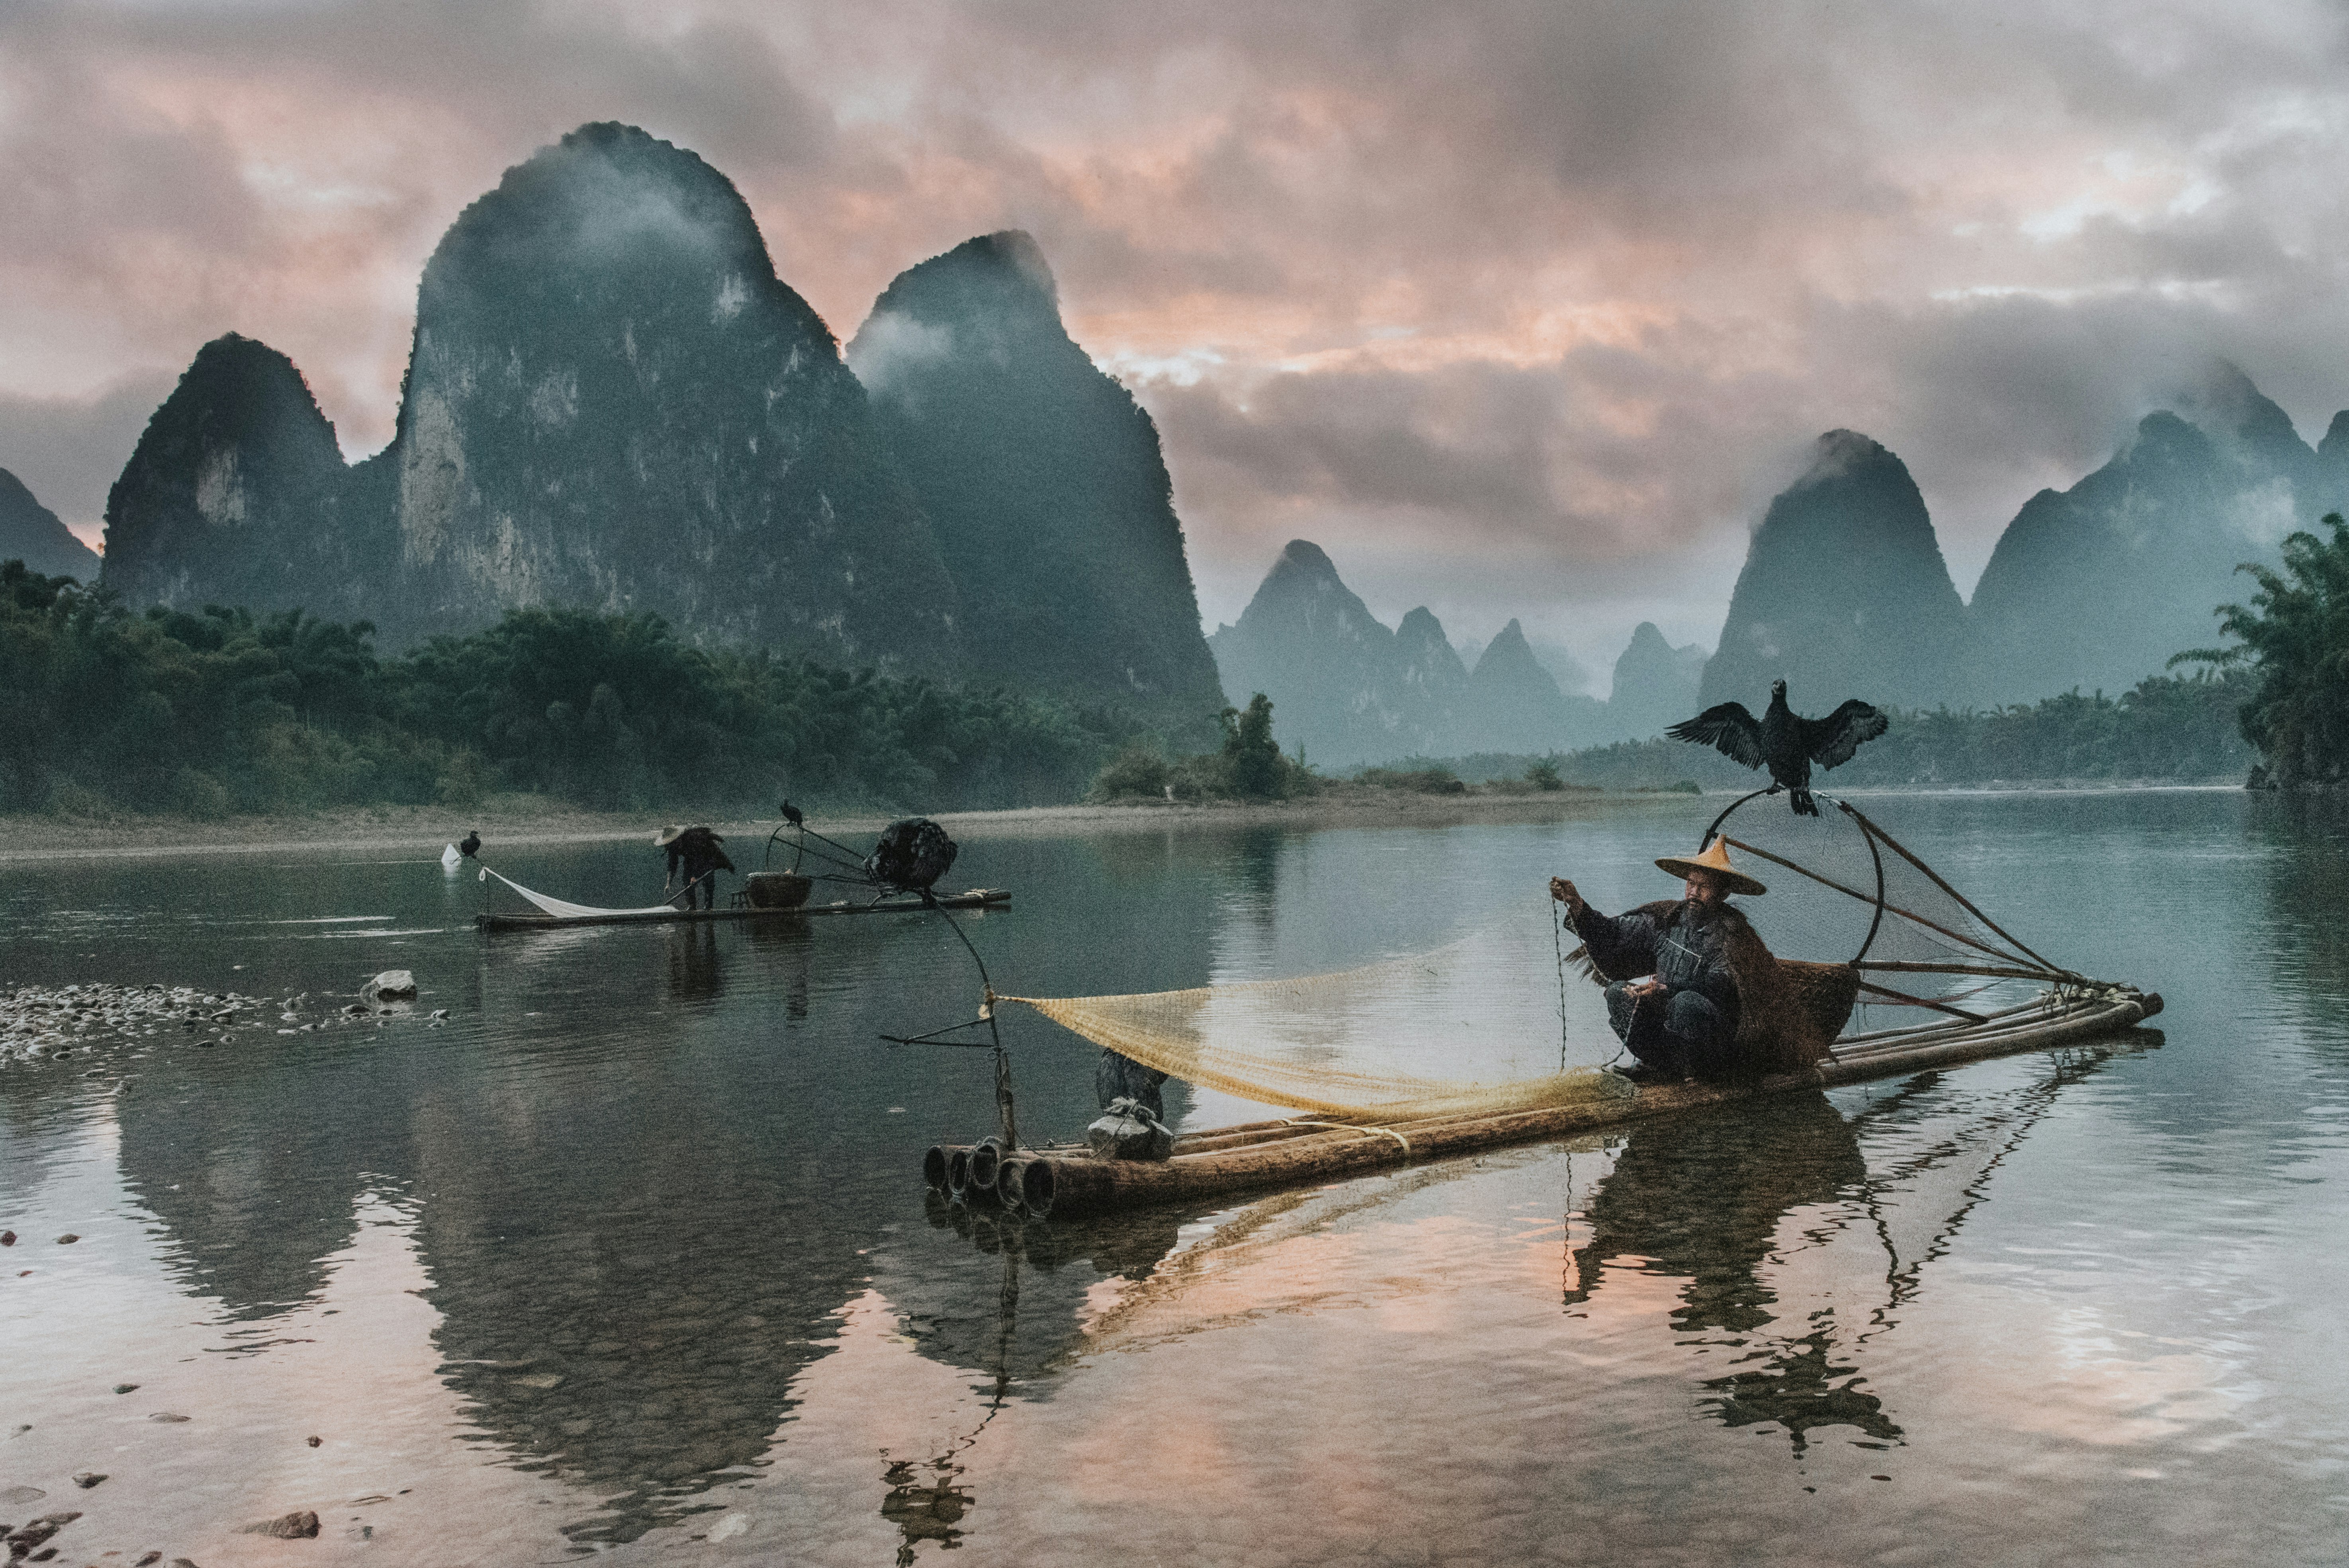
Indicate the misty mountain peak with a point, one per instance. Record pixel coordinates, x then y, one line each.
1043 481
32 533
1301 558
1007 264
1845 590
992 297
1421 628
1838 454
2224 404
1655 684
2095 587
232 492
2336 437
610 217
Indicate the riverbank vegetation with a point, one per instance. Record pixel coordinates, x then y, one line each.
225 712
2168 728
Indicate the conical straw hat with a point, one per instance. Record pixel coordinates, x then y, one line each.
667 836
1713 858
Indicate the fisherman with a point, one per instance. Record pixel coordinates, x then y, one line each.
694 853
1119 1078
1672 969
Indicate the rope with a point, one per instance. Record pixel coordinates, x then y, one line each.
1558 946
1348 1127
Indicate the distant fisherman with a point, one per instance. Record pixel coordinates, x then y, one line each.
1674 997
693 852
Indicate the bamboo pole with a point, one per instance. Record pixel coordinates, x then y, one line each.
1077 1184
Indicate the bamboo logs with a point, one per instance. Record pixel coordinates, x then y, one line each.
1069 1182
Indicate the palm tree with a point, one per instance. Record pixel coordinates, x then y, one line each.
2295 634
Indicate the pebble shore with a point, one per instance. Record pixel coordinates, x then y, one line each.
65 1024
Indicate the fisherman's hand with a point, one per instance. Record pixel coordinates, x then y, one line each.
1651 987
1564 891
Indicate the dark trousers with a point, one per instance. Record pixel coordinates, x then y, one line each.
1121 1077
1680 1033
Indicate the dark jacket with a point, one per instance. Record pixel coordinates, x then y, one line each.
1787 1013
1687 946
696 851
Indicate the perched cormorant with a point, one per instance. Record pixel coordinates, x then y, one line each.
1785 741
472 844
793 815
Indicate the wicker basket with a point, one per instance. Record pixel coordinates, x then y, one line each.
1796 1026
776 889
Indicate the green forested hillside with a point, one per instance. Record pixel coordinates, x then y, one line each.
225 711
2170 728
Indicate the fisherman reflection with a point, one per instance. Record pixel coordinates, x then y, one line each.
1703 1200
693 974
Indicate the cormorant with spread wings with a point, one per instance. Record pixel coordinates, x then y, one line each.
1785 741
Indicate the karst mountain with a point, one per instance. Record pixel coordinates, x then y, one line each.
32 533
1043 483
613 402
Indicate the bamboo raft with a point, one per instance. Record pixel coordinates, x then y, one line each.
977 898
1071 1181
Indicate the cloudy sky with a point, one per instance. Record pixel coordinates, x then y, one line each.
1519 308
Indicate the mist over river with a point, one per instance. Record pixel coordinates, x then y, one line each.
631 1254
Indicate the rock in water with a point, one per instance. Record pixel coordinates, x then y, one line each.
1845 590
391 984
31 532
1045 483
302 1524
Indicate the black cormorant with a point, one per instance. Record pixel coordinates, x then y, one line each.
1785 741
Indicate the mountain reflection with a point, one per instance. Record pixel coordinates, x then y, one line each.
648 1165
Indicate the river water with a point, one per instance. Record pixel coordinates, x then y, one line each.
630 1254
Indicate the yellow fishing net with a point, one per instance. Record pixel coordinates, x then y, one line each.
1357 1043
1491 1022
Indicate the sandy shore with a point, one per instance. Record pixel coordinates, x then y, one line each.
530 821
524 819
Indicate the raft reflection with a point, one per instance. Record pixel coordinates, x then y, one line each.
1878 1194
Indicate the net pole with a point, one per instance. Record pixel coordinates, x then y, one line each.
1905 966
1881 905
1006 1109
1714 832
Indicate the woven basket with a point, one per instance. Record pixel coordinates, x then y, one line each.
1794 1026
